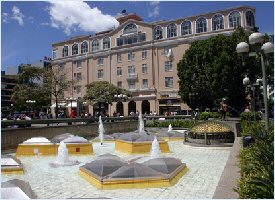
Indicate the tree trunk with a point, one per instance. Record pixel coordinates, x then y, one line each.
56 107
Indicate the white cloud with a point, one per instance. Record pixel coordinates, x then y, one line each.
73 15
5 17
17 15
155 11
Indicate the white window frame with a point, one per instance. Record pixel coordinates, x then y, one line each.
233 23
161 33
109 42
190 27
213 21
100 74
119 71
63 56
145 86
75 44
144 66
119 55
144 54
85 41
54 54
200 27
131 55
98 46
167 79
168 66
100 61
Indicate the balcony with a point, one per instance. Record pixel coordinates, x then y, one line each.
132 76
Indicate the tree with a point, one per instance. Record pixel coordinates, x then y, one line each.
211 70
56 83
30 87
103 92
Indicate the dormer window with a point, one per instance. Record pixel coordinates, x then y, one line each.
201 25
234 19
75 49
158 33
95 45
130 28
65 51
217 22
106 43
250 20
186 28
84 47
171 30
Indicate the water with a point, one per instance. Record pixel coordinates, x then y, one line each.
205 168
170 129
155 151
101 130
141 123
63 157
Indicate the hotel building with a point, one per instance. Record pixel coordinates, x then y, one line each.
142 57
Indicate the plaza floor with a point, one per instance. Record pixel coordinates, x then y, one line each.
205 165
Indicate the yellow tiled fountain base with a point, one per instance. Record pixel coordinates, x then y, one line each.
140 147
12 170
134 183
52 149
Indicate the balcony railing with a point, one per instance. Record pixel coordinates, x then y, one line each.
132 76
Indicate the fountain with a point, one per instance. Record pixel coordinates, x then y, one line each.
10 165
43 146
155 151
141 123
211 133
111 172
101 130
63 157
139 141
170 129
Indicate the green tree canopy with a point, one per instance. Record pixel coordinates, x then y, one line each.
211 70
103 92
30 87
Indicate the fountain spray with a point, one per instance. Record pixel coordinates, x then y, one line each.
101 130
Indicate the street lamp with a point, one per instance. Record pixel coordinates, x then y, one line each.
257 39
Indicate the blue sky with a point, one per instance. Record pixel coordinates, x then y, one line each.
28 29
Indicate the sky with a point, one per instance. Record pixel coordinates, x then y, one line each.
29 28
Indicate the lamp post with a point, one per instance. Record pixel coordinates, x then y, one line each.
256 39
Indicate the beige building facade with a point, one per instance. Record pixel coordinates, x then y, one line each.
142 58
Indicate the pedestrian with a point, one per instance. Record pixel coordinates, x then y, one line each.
223 109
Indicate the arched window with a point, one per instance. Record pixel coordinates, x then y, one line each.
84 47
234 19
75 49
95 45
201 25
158 34
130 28
186 28
65 51
250 20
217 22
171 30
106 43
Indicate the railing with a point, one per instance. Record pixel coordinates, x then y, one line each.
70 121
132 76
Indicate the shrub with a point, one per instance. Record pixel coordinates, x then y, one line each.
249 116
207 115
174 123
257 165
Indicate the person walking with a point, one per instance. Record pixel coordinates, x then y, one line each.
223 109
